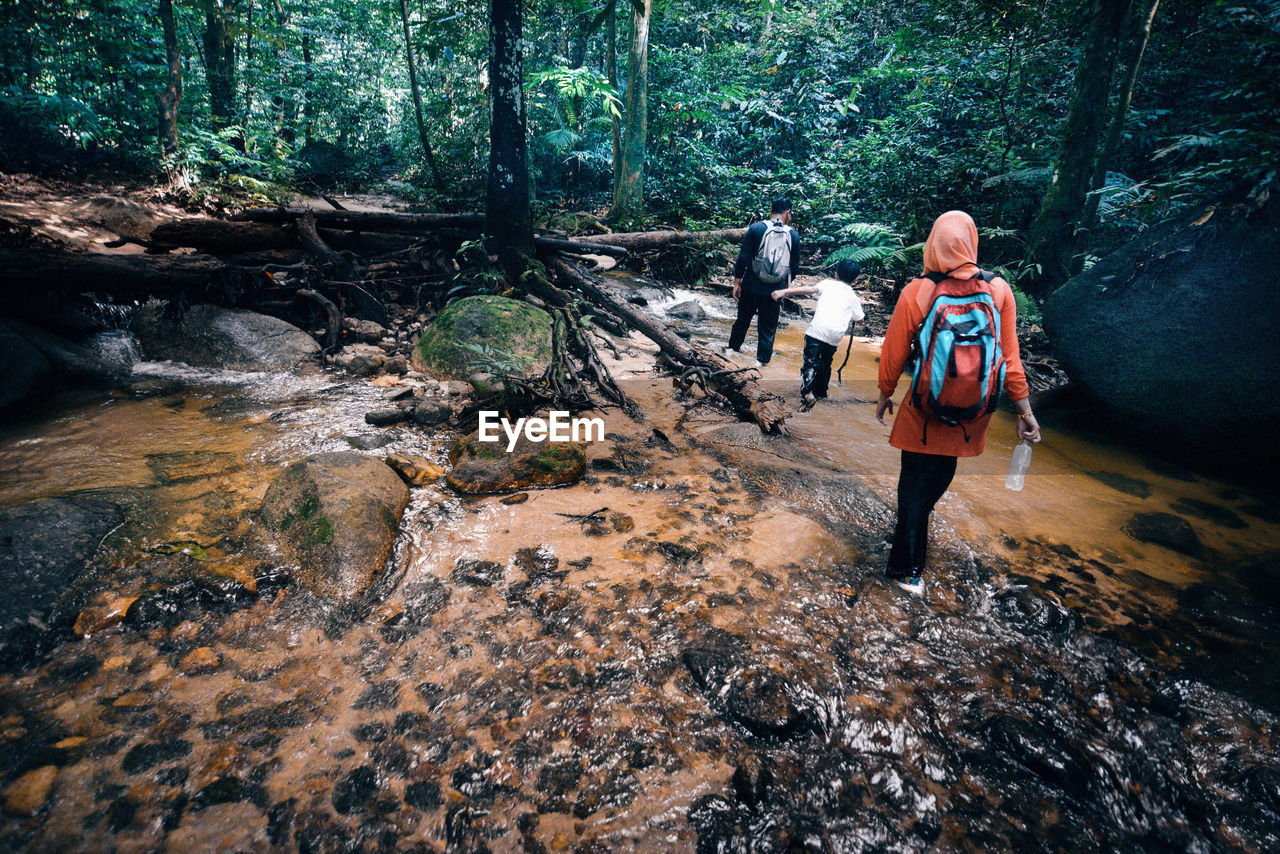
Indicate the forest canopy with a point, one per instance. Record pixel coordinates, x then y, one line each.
872 115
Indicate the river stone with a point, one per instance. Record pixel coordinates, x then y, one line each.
688 310
758 700
364 330
1165 529
211 336
485 335
336 516
485 467
45 547
1173 335
69 360
24 370
430 413
415 470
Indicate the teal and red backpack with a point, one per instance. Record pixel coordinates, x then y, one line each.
959 372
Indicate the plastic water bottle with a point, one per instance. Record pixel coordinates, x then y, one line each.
1018 466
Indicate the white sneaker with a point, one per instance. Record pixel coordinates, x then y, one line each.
730 352
913 585
758 364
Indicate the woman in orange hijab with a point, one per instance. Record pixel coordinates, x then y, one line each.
930 446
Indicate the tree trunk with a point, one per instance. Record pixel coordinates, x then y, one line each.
744 394
31 272
508 220
611 70
308 86
280 101
417 99
1052 233
171 97
373 220
1141 17
220 63
628 197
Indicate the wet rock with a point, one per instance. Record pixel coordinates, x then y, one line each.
471 781
380 695
360 360
1039 749
394 758
539 564
715 821
1035 613
45 548
687 310
385 417
481 573
751 781
431 413
616 790
1161 301
26 795
200 660
211 336
1165 529
396 365
637 299
559 777
363 330
423 795
475 334
356 789
146 756
758 700
228 790
102 617
1207 510
415 470
485 467
336 515
517 498
67 359
1128 485
24 370
370 442
622 523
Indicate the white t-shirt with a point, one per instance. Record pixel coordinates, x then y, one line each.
837 305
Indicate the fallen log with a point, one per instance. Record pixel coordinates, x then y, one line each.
219 236
366 220
744 394
29 272
635 240
578 247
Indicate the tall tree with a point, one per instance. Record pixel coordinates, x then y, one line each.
169 99
1053 232
1138 32
220 61
508 220
611 70
417 98
628 194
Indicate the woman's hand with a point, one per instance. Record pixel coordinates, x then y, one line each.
885 405
777 295
1028 428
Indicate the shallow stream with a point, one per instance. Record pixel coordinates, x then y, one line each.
719 667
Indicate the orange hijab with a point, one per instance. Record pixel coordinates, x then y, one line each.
952 247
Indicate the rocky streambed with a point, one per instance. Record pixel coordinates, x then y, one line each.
688 648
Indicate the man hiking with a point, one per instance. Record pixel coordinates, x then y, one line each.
768 260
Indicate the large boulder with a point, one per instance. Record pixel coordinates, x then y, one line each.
1173 335
24 370
45 548
336 515
211 336
487 467
479 337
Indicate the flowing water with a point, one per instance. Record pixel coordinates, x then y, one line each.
713 662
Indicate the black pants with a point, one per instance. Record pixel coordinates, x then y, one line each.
815 374
923 480
749 305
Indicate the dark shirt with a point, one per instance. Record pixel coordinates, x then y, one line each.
750 246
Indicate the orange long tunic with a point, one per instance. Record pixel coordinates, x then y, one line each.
908 431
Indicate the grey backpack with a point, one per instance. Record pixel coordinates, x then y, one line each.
772 264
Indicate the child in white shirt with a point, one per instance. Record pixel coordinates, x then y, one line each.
837 306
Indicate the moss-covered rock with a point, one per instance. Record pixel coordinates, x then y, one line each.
336 515
482 336
483 467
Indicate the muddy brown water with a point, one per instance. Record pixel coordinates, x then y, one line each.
716 665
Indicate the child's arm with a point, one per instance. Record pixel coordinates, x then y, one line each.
795 289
